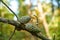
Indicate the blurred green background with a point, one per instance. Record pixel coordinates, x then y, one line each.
31 8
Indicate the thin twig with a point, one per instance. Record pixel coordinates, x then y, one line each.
10 10
12 34
54 37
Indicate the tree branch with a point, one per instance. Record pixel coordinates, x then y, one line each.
12 22
20 26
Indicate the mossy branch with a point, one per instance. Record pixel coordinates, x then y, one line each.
20 27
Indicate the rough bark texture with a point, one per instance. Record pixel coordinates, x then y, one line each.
20 27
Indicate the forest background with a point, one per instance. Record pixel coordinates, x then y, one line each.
45 14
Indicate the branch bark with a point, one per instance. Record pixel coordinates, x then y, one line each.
17 25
